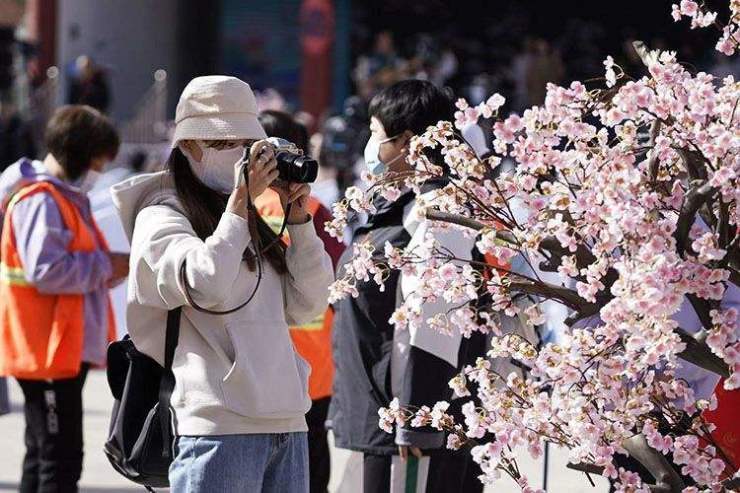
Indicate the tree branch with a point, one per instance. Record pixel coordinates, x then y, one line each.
699 193
698 353
653 160
693 163
598 470
655 462
551 291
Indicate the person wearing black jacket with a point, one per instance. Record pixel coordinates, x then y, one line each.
376 362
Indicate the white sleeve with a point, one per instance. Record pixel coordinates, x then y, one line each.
310 272
444 346
164 238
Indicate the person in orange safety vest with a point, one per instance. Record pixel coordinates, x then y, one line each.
55 271
312 341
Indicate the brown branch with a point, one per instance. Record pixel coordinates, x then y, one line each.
598 470
653 160
550 243
698 194
698 353
693 163
655 462
586 467
446 217
566 296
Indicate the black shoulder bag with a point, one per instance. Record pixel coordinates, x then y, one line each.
140 438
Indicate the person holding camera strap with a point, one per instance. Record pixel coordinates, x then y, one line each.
241 390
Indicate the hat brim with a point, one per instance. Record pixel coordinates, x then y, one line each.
234 126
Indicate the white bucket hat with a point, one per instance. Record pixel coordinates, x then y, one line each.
217 107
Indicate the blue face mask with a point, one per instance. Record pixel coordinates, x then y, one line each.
374 164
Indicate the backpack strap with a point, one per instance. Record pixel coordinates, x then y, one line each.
167 383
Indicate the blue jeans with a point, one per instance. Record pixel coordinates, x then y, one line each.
273 462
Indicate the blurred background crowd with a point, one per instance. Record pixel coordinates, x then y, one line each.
320 60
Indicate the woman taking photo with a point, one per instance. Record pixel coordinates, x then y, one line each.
241 389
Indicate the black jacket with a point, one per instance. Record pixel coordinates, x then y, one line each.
362 340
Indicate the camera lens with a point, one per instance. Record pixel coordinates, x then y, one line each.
296 168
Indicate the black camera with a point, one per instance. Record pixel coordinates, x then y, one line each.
291 164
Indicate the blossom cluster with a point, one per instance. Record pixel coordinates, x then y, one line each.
700 17
629 196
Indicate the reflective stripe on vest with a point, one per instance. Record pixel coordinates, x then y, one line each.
13 276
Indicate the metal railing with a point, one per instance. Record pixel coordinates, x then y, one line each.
149 123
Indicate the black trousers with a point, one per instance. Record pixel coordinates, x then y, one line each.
53 412
319 461
449 472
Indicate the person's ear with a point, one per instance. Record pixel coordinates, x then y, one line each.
192 148
98 163
406 137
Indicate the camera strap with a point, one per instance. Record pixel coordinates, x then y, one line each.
282 230
251 211
259 250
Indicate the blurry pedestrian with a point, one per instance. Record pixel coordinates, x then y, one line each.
374 361
16 137
89 85
312 340
241 392
343 139
55 314
380 68
326 186
544 65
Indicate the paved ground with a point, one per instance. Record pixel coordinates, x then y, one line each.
99 477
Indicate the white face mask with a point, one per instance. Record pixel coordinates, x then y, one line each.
374 164
86 182
216 167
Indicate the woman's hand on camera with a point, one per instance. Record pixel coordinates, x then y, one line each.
295 194
262 171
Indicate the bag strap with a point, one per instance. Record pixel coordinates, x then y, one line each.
167 382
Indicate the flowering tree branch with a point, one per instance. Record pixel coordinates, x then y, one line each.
697 352
624 231
666 478
699 194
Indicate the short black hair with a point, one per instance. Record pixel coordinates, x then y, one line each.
411 105
77 134
283 125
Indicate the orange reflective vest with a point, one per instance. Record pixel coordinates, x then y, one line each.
493 261
41 335
312 340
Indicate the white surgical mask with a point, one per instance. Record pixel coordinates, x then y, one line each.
374 164
86 182
216 167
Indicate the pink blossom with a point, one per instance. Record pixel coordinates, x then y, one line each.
689 8
579 181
